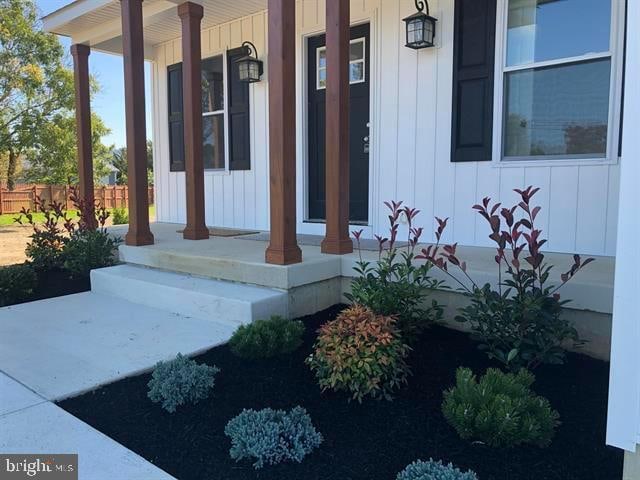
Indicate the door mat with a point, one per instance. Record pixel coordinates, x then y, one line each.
227 232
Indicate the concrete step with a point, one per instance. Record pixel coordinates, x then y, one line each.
182 294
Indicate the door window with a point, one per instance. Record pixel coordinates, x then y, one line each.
356 64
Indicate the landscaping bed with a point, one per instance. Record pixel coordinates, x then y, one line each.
369 441
56 283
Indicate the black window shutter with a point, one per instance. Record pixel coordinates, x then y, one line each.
176 125
238 111
473 80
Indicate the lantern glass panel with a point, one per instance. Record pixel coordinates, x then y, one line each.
254 71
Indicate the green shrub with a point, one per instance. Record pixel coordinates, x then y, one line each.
87 250
181 381
272 436
120 216
499 410
394 284
434 471
361 353
17 283
267 338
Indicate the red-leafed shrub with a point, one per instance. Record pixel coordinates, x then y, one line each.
75 240
520 323
395 284
361 353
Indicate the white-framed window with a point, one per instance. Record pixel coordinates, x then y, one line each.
557 80
214 115
357 65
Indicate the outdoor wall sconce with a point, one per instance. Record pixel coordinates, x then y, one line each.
421 27
250 68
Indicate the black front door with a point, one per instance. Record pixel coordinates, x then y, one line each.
358 126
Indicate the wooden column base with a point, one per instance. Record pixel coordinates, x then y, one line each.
336 246
195 233
138 239
283 257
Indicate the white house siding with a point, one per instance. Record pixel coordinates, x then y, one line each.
411 142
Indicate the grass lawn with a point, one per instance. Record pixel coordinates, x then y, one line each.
8 218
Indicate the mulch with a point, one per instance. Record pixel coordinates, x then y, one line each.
369 441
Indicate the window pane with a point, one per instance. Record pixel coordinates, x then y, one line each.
212 85
540 30
356 72
322 78
213 138
322 57
356 51
557 110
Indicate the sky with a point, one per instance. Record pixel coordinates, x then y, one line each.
107 69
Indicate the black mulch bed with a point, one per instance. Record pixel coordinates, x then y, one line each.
56 283
371 441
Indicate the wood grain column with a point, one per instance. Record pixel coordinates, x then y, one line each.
283 247
336 240
133 55
191 14
80 54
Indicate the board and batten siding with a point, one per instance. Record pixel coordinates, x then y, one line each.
411 103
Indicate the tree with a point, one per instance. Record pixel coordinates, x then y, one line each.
35 84
52 157
119 162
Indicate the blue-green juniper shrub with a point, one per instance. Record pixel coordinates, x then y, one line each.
181 381
434 471
272 436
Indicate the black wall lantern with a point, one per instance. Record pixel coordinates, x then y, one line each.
421 27
250 68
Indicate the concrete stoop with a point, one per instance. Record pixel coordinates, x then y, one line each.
225 302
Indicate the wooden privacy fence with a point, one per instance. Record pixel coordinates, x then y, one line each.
23 196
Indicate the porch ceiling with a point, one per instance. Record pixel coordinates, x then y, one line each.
97 22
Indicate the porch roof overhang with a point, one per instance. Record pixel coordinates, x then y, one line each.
97 23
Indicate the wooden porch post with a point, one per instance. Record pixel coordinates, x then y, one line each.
283 247
336 240
80 54
133 52
190 14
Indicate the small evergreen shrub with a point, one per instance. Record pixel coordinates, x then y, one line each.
17 283
272 436
434 471
500 409
361 353
267 338
87 250
180 381
120 216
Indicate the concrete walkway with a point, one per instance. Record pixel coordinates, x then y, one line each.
58 348
31 424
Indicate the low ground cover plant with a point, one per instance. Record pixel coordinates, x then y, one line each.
17 283
500 409
267 338
434 471
360 353
181 381
272 436
394 284
520 322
